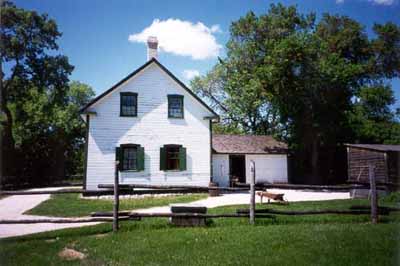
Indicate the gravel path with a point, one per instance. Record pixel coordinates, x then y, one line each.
244 198
13 207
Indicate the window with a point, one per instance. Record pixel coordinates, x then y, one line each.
175 106
130 157
128 104
173 158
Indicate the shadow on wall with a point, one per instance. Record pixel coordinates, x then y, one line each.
166 176
125 124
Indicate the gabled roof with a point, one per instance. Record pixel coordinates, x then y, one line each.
376 147
247 144
153 60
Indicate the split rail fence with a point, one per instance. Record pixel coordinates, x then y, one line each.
115 216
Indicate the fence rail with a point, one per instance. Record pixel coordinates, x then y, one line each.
251 213
40 192
134 189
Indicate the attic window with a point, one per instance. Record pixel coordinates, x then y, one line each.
128 104
175 106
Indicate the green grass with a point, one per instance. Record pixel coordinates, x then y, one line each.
286 240
70 205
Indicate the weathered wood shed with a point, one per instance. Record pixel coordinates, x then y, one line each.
386 159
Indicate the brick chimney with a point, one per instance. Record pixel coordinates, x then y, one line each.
152 45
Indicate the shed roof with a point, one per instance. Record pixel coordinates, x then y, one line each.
247 144
376 147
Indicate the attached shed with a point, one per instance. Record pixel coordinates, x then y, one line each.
232 155
386 159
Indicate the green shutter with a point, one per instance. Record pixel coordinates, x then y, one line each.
163 164
140 158
182 158
119 157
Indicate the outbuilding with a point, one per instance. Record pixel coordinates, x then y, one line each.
232 155
385 159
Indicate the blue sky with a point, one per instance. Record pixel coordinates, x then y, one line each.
103 38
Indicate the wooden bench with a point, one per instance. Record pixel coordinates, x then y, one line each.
269 196
188 221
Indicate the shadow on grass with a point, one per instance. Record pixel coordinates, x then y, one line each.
152 224
63 233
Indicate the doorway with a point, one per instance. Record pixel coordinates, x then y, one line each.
237 169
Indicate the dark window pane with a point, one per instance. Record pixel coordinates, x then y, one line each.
175 107
128 105
130 158
172 158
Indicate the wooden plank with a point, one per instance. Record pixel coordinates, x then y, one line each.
188 188
242 187
126 189
57 220
374 199
252 192
381 209
198 215
132 215
40 192
116 198
311 212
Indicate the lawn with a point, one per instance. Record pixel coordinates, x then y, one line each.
286 240
71 205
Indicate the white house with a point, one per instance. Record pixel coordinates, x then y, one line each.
157 128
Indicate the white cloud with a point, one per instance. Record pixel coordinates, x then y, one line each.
378 2
383 2
190 73
182 38
215 28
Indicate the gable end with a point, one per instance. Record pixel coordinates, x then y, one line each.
96 99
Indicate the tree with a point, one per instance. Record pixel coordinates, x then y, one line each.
243 110
372 118
41 130
27 38
307 73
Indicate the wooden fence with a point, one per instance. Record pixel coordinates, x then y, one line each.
115 216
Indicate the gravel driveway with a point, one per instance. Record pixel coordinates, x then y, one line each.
244 198
13 207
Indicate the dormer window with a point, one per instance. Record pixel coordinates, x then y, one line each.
175 106
128 104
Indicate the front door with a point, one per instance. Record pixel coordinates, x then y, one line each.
237 168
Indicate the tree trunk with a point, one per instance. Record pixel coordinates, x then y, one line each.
314 161
7 148
7 145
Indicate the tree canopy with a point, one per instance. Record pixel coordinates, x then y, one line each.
312 83
41 130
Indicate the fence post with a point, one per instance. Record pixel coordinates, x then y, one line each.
374 198
116 198
252 192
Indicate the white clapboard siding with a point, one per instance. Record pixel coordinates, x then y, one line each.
270 168
151 129
221 169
